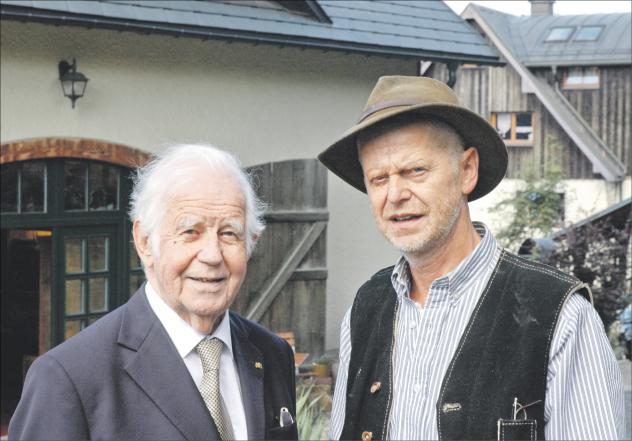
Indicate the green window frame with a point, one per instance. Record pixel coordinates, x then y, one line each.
100 220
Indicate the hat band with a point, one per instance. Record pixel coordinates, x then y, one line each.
384 105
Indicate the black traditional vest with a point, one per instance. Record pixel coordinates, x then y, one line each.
503 354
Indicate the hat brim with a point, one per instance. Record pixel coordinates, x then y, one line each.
342 156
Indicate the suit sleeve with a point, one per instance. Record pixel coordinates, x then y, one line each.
292 378
50 407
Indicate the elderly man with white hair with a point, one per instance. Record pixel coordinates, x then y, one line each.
173 362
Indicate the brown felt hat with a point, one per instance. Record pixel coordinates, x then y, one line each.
396 95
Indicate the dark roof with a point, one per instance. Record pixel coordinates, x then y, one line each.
617 215
525 36
426 30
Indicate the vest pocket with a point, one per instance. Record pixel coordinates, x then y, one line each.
517 429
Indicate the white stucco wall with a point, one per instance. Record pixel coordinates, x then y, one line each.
263 103
582 198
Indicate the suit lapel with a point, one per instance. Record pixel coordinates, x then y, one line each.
250 369
160 372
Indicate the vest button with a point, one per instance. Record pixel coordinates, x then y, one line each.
375 387
367 436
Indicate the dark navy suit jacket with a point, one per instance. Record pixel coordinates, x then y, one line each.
123 379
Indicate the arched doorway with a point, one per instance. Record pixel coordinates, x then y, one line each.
67 254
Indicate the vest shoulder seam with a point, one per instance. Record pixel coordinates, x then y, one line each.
537 267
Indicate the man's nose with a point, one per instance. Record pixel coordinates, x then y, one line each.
211 250
397 189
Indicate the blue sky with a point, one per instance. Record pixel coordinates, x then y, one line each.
565 7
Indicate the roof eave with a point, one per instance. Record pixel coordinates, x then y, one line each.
145 27
578 63
624 204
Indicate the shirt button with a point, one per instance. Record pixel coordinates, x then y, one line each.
367 436
413 325
417 388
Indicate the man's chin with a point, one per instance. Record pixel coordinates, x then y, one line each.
409 246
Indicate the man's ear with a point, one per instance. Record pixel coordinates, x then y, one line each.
143 245
469 170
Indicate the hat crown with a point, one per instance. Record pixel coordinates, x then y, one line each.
421 97
394 91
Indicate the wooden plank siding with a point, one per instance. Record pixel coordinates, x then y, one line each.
295 192
499 89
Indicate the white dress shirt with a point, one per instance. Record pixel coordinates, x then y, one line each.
185 339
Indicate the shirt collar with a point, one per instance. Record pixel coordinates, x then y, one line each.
184 337
456 279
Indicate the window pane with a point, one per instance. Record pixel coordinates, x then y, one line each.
93 319
582 77
523 119
588 33
98 294
574 77
559 34
98 254
591 79
33 179
524 133
503 125
74 297
135 281
74 256
72 327
524 130
103 187
9 188
74 185
134 260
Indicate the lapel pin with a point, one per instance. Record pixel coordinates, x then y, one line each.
258 365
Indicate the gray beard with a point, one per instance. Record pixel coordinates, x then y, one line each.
421 246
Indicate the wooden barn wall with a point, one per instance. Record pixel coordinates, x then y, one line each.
606 109
499 89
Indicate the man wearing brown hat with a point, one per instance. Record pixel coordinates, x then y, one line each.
460 339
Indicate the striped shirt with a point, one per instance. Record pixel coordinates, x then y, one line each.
584 397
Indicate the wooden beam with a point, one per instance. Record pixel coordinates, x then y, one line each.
296 216
274 285
309 274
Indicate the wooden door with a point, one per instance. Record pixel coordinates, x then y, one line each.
285 288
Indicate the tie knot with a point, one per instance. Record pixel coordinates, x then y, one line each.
210 350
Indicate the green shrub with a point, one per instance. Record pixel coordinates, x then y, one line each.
309 418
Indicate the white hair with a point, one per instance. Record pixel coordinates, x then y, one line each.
154 181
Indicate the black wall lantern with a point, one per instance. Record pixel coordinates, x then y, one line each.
73 83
